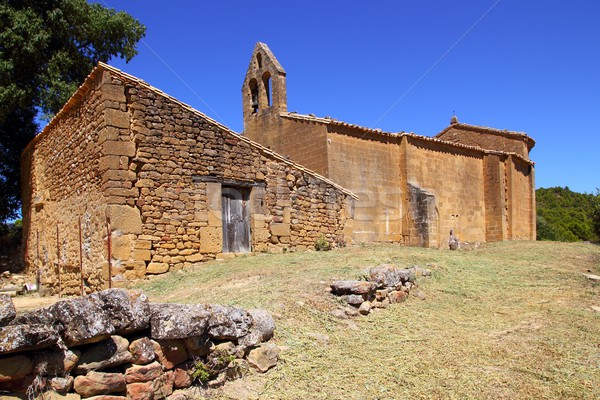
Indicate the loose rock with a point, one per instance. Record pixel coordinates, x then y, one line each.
228 323
170 352
128 311
143 373
15 338
142 351
263 357
352 287
7 310
14 367
103 355
99 383
261 330
178 321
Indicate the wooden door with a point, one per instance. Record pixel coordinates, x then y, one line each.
236 219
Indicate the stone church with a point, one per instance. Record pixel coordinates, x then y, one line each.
127 181
412 189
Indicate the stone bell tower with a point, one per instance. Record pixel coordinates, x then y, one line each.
263 91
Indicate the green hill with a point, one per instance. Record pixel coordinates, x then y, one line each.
566 216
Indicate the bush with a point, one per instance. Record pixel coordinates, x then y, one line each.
321 244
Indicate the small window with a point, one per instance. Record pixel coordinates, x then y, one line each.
267 86
259 60
253 85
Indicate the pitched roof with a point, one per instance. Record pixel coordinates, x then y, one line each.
378 132
492 131
85 87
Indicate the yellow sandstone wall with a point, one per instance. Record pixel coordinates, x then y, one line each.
521 199
455 178
369 167
301 141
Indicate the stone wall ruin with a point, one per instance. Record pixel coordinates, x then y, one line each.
116 343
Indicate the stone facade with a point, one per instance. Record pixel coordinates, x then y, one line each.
412 189
128 169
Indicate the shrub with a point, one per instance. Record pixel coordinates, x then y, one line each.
321 244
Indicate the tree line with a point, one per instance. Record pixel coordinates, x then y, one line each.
567 216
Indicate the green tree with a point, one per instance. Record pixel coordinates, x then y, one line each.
566 216
47 48
596 214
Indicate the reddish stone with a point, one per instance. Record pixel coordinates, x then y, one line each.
170 352
140 391
181 378
143 373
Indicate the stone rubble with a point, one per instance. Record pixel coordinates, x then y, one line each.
114 344
384 284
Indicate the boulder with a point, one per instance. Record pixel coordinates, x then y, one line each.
353 299
397 296
143 373
264 357
7 309
56 362
106 354
228 323
128 311
99 383
80 320
388 275
352 287
170 352
15 338
15 367
261 329
62 384
142 351
181 377
365 308
140 391
178 321
16 385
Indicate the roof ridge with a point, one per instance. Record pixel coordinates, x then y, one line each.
333 121
103 66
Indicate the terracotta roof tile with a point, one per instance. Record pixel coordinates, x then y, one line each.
371 131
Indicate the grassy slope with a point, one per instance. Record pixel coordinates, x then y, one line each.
506 321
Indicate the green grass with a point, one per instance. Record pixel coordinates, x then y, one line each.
509 320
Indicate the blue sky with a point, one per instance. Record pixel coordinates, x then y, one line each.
528 66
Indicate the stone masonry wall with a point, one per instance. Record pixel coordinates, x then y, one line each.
122 156
369 167
300 141
181 161
455 178
62 183
521 199
114 344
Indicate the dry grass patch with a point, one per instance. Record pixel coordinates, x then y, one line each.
509 320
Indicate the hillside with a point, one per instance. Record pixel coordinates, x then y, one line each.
508 320
564 215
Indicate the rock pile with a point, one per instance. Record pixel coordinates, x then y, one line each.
115 344
384 285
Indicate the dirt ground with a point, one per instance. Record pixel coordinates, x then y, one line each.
32 302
